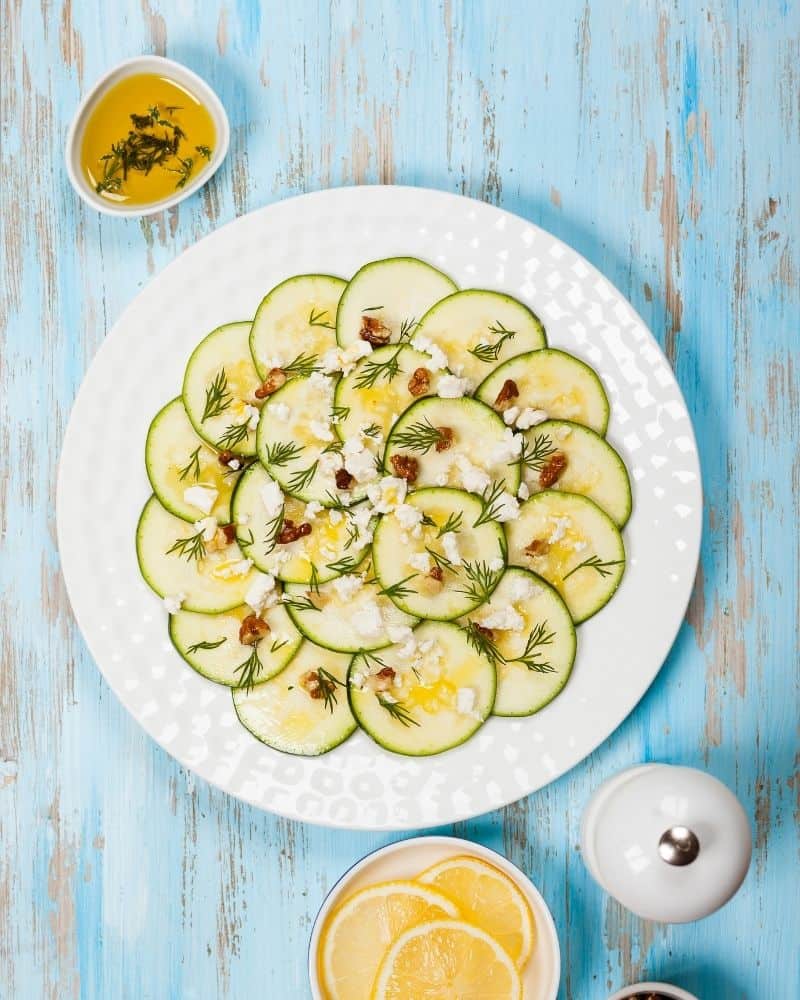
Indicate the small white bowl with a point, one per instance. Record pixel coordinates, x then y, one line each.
406 859
181 75
668 991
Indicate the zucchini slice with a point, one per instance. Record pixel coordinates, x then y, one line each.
562 386
296 323
283 714
477 330
376 392
592 469
345 615
446 541
530 638
218 389
395 292
210 645
297 444
174 560
336 545
573 544
176 459
440 692
481 450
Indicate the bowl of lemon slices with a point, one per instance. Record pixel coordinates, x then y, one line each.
435 918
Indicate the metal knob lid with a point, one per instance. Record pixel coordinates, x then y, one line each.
678 846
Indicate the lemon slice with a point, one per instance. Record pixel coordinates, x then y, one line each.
488 898
360 930
447 960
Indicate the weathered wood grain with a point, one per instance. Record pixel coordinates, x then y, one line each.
662 140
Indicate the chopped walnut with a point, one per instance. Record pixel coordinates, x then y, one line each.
343 479
290 531
537 547
405 467
310 682
229 532
445 439
229 459
436 573
374 332
551 472
507 395
383 680
420 382
432 583
488 632
252 630
276 377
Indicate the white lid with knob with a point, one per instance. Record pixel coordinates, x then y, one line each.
670 843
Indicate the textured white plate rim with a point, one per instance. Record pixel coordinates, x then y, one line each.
85 616
545 925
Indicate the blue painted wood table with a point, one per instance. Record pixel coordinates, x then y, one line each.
661 140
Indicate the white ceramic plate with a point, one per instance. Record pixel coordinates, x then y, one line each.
140 366
406 859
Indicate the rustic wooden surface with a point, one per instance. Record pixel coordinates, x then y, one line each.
662 140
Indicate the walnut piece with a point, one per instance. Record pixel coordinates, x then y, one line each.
445 439
488 632
252 630
537 547
310 682
551 472
374 332
343 479
290 531
383 680
405 467
420 382
436 573
507 395
276 377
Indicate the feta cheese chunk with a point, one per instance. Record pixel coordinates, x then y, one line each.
408 516
465 700
361 464
367 620
450 546
320 430
523 492
173 602
261 593
347 586
560 525
272 498
507 507
388 494
252 413
473 479
202 497
510 415
521 588
452 387
420 561
232 568
530 418
208 526
434 352
507 450
330 462
506 619
279 411
312 509
496 565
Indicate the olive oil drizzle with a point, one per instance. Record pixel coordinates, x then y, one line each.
145 148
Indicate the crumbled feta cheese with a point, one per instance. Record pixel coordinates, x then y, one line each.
330 462
465 700
523 492
508 449
579 546
408 516
252 413
202 497
173 602
243 519
360 517
261 593
530 418
361 466
225 571
208 526
450 546
335 516
280 411
521 588
348 586
495 565
273 362
368 621
234 464
510 415
452 387
357 678
507 507
473 479
434 352
388 494
272 498
506 619
420 561
320 385
560 525
400 633
562 433
441 479
331 360
320 430
312 509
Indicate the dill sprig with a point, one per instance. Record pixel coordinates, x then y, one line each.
244 543
193 547
339 413
218 399
597 564
372 371
206 645
491 352
373 431
249 669
303 365
481 581
313 580
278 644
531 655
232 436
273 529
203 151
318 319
344 565
397 711
369 309
192 468
441 561
299 603
184 169
491 503
406 327
398 589
301 478
453 523
281 453
482 643
371 658
533 455
328 684
421 437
